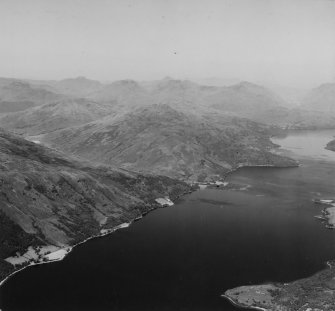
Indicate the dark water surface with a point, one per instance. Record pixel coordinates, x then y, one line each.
185 256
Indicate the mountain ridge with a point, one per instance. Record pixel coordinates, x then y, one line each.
161 139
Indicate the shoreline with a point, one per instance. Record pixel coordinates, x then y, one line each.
223 181
326 272
233 302
102 233
233 170
68 250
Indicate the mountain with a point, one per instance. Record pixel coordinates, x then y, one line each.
321 98
243 100
162 140
292 96
47 198
119 91
264 106
182 94
57 115
18 95
248 100
77 87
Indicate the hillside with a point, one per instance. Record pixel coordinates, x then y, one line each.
17 95
58 115
48 199
321 98
162 140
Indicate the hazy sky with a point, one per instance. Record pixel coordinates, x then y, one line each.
275 41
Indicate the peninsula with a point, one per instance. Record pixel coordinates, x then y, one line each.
315 293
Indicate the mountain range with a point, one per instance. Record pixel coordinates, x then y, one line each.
244 99
79 156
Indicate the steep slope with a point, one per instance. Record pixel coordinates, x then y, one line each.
47 199
18 95
54 116
321 98
163 140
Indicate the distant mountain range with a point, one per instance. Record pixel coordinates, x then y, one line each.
61 102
